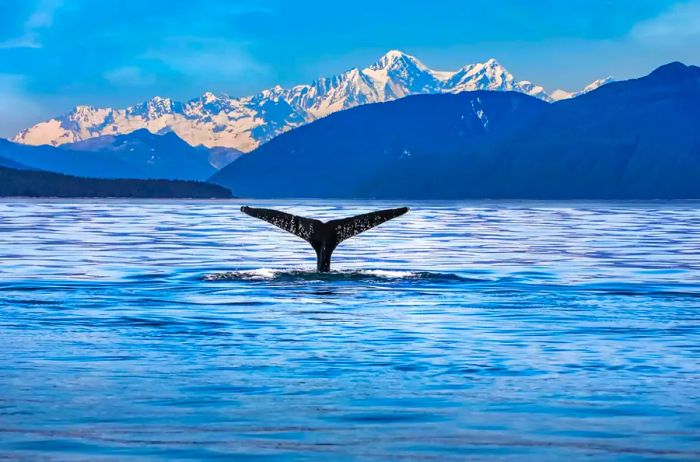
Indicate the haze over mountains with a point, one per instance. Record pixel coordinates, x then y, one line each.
139 164
139 155
636 139
245 123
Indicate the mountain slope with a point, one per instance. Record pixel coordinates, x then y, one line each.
560 95
632 139
336 156
66 161
139 154
219 157
9 163
37 183
153 156
245 123
635 139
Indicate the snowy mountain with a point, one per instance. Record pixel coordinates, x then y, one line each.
558 95
635 139
245 123
346 152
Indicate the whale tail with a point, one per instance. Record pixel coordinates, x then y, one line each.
324 237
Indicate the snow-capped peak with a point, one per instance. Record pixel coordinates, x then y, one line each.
396 59
83 109
395 54
158 103
489 75
597 84
209 97
244 123
558 95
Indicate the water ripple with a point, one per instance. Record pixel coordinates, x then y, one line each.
503 330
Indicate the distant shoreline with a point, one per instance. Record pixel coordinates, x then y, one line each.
340 201
43 184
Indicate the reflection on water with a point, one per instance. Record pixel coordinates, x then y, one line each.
511 331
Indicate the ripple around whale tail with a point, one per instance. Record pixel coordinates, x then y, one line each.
270 274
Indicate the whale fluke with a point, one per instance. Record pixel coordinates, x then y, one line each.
324 237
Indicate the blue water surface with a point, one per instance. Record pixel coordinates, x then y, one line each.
185 330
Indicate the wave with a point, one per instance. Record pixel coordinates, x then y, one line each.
508 283
270 274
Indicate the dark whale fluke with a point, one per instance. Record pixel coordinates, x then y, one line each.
324 237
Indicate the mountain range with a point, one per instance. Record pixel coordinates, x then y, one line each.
635 139
9 163
137 155
245 123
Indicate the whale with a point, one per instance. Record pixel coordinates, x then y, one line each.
324 237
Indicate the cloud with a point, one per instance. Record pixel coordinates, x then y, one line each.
41 18
24 41
129 76
676 26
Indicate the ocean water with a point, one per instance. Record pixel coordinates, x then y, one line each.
185 330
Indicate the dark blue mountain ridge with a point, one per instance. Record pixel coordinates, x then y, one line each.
152 155
9 163
137 155
220 156
336 156
636 139
65 161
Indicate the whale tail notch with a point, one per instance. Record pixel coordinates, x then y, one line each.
324 237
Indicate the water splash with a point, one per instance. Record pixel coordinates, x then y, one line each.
270 274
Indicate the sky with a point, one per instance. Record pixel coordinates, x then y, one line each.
56 54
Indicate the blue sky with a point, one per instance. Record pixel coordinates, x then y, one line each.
55 54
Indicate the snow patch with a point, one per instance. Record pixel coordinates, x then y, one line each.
245 123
